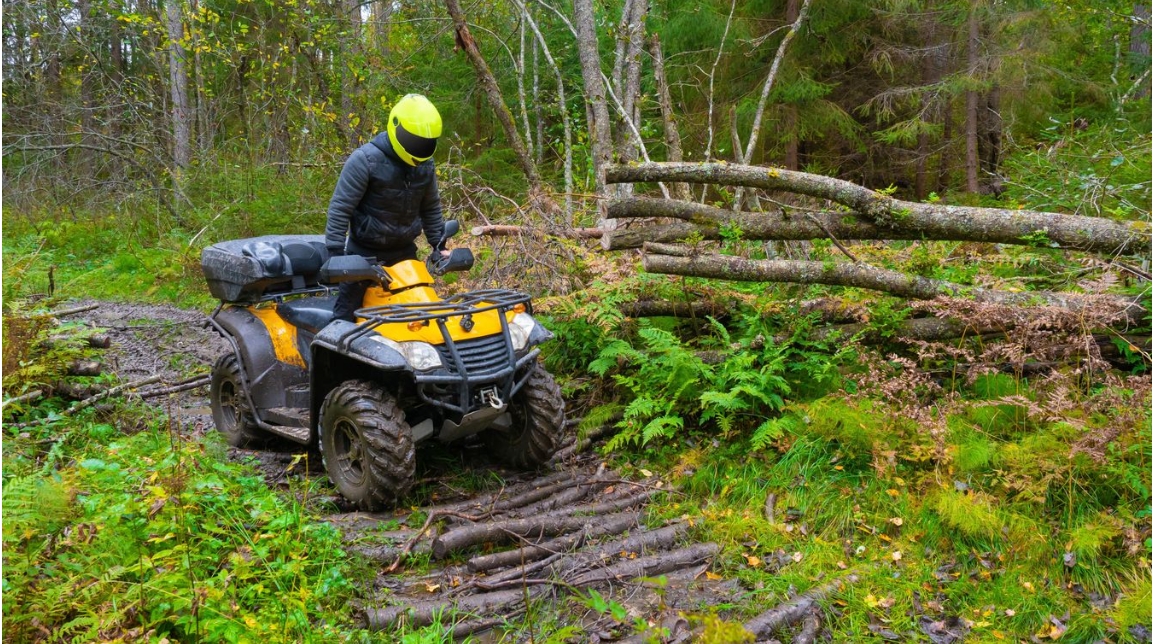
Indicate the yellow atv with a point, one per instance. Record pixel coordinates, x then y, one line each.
413 368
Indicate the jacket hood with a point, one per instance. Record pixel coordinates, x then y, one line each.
381 141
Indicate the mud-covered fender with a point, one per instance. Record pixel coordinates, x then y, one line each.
334 362
268 378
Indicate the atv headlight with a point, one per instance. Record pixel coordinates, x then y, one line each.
421 356
520 328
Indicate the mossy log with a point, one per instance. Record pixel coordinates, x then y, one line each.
931 221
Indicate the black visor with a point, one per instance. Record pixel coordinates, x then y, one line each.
418 146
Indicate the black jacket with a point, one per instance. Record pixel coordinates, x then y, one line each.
382 202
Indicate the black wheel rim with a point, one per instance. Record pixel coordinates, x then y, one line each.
229 407
348 450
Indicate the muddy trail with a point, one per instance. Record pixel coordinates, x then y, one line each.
481 549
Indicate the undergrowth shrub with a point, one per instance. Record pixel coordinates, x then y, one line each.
148 537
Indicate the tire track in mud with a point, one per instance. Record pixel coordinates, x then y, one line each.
488 557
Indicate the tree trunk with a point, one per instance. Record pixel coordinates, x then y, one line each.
1139 49
990 141
792 138
930 74
754 134
595 96
348 84
972 162
562 106
1093 234
668 116
859 275
381 16
178 79
492 92
631 90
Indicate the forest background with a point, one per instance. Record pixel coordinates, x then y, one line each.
136 132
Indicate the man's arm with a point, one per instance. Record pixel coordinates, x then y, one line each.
431 215
350 188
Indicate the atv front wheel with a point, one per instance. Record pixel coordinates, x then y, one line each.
366 445
537 424
229 406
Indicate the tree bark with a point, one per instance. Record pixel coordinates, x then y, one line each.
525 231
855 275
668 116
706 221
492 92
631 90
794 610
381 17
754 134
1092 234
1139 49
595 97
562 106
791 133
178 80
972 162
657 564
467 536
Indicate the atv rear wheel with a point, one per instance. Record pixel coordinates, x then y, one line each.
229 405
366 444
537 424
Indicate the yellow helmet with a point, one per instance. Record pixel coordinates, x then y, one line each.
413 127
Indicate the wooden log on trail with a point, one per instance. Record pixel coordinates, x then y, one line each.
424 613
643 541
657 564
97 341
1091 234
793 610
532 231
59 313
608 507
164 391
85 368
861 276
25 397
501 531
613 526
810 628
565 498
88 402
486 502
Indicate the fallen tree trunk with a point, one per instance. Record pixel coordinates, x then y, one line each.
540 233
705 222
500 531
657 564
424 613
857 275
665 308
794 610
530 553
1092 234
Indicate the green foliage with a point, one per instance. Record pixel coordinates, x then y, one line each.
152 534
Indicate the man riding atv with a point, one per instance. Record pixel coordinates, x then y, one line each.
386 193
387 363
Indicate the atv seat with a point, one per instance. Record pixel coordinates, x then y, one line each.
309 313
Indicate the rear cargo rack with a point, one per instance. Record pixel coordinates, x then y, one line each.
457 371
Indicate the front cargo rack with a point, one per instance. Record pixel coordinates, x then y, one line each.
461 368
